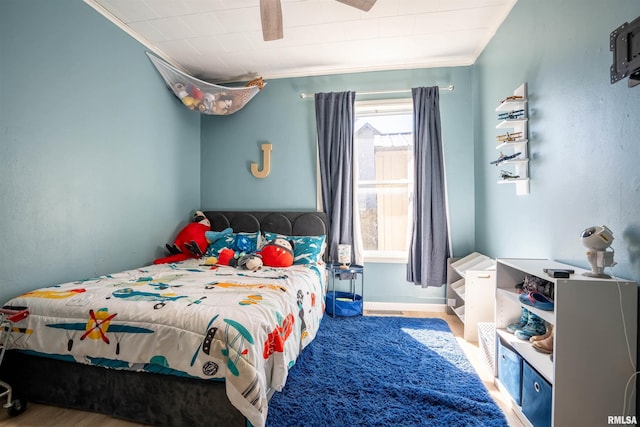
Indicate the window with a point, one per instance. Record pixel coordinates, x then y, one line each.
384 179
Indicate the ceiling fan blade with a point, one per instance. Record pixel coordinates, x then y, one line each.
363 5
271 17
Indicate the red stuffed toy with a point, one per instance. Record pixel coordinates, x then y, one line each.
278 253
191 241
225 256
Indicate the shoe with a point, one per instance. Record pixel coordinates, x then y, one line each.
535 326
537 300
524 317
545 345
541 337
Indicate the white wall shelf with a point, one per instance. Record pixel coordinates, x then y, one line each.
511 123
520 166
519 143
515 161
511 180
511 105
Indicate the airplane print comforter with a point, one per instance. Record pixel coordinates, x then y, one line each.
185 319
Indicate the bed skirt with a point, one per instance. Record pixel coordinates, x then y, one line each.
142 397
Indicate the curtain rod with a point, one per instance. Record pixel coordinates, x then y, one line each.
380 92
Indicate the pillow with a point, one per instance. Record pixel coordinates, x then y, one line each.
244 242
306 249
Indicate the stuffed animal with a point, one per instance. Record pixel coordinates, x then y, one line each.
190 242
278 253
223 103
181 90
240 260
207 102
258 82
227 256
251 262
214 236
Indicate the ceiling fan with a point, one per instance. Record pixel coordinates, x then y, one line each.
271 15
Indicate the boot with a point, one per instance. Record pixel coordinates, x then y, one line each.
541 337
545 345
535 326
524 318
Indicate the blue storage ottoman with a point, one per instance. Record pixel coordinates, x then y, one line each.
346 304
510 371
536 397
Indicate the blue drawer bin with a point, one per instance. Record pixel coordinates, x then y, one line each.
510 371
536 397
345 303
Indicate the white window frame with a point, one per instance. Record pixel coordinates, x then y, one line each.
381 107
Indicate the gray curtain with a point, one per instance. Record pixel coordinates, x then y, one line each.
429 247
334 122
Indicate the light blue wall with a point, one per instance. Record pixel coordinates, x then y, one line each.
98 162
100 165
279 116
584 134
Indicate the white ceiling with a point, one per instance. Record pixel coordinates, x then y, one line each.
221 40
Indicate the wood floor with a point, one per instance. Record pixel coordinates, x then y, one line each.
41 415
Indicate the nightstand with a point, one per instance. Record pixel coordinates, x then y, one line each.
349 303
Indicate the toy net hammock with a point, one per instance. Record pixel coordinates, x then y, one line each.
207 98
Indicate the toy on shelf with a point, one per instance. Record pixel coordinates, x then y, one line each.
509 137
508 175
510 115
503 158
512 98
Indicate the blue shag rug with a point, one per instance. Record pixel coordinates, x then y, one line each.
383 371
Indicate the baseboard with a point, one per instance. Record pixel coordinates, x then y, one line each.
404 306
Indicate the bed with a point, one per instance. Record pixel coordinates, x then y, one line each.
174 344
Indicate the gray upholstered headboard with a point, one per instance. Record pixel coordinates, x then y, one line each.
296 223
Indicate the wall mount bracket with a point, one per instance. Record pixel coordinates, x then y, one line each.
624 42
